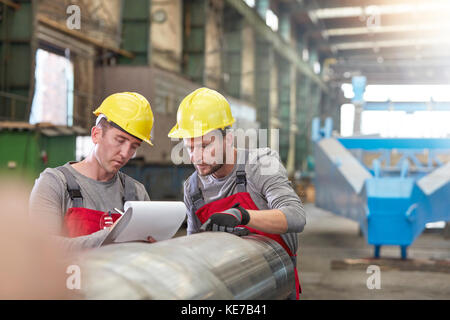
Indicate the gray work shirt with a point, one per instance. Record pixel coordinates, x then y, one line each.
269 188
49 201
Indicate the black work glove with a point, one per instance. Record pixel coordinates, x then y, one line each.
228 220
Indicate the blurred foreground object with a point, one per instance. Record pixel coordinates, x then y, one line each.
30 267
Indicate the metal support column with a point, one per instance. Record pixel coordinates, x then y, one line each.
284 106
17 59
303 94
233 23
314 102
285 24
136 32
194 39
293 129
264 59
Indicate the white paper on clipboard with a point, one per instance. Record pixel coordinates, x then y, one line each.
159 219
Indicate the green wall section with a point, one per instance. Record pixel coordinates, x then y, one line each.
24 148
16 60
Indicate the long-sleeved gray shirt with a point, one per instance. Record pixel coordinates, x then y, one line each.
49 202
268 186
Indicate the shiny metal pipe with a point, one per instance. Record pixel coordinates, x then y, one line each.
208 265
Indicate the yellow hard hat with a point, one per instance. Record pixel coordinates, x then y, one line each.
200 112
131 112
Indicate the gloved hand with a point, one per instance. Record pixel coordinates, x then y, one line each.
227 220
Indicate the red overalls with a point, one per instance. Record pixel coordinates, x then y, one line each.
204 211
80 221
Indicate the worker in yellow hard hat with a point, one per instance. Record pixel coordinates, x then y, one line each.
230 190
77 201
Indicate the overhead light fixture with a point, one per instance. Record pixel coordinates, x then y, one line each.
272 20
442 6
386 29
418 43
250 3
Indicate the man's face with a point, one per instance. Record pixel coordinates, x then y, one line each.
207 153
114 148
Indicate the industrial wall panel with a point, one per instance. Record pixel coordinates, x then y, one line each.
19 72
16 59
194 20
136 31
24 150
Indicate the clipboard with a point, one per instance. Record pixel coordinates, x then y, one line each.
159 219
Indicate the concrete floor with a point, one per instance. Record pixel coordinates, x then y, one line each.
328 237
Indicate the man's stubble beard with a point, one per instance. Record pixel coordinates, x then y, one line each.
213 169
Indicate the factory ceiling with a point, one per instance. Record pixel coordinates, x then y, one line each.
388 41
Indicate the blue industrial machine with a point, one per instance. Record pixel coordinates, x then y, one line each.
392 203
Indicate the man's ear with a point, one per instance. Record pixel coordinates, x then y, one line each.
96 134
229 138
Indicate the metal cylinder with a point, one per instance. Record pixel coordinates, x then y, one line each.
208 265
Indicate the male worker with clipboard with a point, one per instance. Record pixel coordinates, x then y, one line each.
75 202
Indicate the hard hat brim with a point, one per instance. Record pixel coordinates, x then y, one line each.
120 128
180 133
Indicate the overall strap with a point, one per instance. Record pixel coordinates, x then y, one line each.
75 192
241 179
194 192
72 187
129 187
